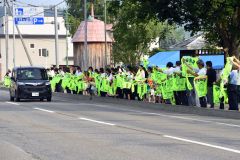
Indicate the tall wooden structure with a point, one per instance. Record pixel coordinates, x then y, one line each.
95 56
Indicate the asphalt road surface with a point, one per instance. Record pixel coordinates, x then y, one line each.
68 129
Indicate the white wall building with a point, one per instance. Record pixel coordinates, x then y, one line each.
40 42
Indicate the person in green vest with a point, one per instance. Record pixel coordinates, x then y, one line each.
119 83
103 82
179 85
200 80
190 61
127 84
167 84
140 80
7 79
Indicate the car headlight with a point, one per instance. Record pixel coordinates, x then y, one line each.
47 83
21 83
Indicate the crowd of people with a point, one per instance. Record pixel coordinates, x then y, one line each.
189 82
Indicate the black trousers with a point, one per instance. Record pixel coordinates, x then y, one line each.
233 96
103 94
68 90
203 102
59 87
181 98
221 103
119 93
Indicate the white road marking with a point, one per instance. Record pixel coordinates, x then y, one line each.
165 115
44 110
203 144
13 103
226 124
100 122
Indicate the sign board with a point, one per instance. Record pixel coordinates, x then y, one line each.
29 16
29 12
29 21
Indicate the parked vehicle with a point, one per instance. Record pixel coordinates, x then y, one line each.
30 83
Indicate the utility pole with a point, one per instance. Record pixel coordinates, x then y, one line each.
105 30
14 51
56 34
67 28
6 26
85 38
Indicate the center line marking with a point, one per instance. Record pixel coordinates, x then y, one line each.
44 110
13 103
203 144
100 122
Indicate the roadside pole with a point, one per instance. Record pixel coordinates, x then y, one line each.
14 51
85 39
105 30
6 26
56 35
67 28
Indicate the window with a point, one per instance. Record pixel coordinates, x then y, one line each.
43 52
32 46
32 74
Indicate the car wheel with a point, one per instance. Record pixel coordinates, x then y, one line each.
16 97
41 99
49 99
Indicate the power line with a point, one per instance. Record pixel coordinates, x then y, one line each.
27 4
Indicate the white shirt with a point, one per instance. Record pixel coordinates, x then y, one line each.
103 75
177 69
235 77
169 71
202 72
78 73
110 77
52 73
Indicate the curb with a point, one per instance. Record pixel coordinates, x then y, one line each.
159 107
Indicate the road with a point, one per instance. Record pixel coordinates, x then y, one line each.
68 129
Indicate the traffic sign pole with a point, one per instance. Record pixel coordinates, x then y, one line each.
56 35
14 54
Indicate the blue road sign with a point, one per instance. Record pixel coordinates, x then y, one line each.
19 12
29 21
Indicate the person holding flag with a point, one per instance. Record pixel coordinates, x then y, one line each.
200 81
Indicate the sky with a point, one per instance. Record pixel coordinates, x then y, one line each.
43 2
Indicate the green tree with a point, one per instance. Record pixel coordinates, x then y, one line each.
218 19
133 35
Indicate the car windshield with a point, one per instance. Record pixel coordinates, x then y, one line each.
32 74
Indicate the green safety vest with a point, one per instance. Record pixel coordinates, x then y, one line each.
166 87
179 83
201 86
55 80
141 89
216 94
105 84
7 81
192 61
